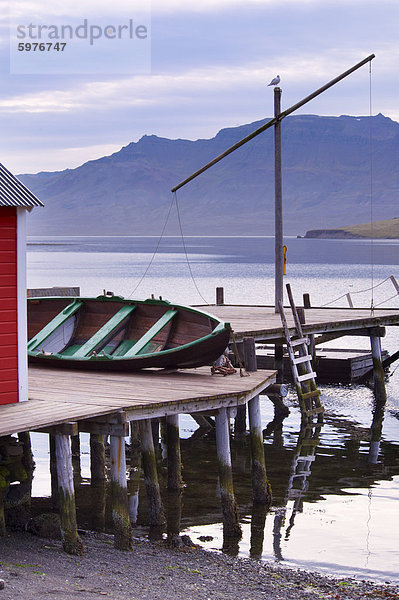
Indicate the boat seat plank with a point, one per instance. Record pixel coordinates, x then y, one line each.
57 321
142 345
123 347
104 331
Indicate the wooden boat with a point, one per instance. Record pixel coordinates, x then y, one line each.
113 333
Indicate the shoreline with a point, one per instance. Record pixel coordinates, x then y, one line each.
34 568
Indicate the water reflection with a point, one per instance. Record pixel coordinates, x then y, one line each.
376 430
258 520
322 475
298 482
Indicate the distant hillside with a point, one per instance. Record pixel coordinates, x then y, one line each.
388 229
325 180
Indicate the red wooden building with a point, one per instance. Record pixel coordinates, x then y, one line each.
15 201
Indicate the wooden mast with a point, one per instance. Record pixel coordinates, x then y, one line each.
278 204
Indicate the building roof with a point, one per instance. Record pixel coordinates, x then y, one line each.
14 193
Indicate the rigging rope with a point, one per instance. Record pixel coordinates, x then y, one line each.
185 249
174 201
155 251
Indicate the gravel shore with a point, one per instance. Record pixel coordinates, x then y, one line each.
33 569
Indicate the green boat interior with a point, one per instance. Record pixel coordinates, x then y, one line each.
82 328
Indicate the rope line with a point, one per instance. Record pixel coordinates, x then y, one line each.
155 251
387 300
185 250
359 292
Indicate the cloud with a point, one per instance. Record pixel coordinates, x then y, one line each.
42 9
58 159
211 61
155 89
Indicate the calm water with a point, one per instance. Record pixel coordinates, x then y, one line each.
344 520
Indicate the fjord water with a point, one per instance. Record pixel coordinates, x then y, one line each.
345 518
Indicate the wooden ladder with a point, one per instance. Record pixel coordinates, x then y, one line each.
301 366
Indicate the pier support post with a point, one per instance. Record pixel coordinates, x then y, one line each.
155 426
249 356
133 484
378 370
120 510
312 346
70 539
75 448
174 481
98 482
260 485
279 361
380 396
231 525
219 296
27 456
173 453
240 421
156 518
22 512
53 474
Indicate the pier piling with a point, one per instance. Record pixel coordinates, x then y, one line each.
174 481
260 485
120 510
156 515
231 525
75 449
70 539
378 369
98 481
173 453
133 484
380 396
53 474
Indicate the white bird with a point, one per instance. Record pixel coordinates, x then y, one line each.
275 81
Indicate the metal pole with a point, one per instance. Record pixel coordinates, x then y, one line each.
278 205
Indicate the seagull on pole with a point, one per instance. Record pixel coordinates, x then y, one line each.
275 81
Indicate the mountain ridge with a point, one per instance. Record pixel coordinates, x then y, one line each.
326 176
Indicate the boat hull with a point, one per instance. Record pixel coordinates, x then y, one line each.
113 334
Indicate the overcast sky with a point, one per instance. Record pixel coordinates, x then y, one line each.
210 63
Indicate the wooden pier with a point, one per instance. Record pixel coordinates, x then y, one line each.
263 324
64 403
57 396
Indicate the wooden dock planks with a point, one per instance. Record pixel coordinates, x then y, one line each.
57 396
262 323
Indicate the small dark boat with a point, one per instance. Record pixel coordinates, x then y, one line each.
112 333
